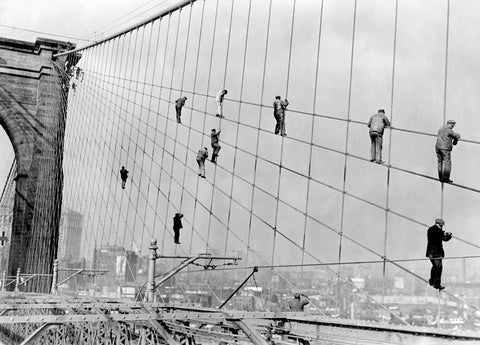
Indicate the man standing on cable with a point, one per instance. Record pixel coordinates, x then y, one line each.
123 176
215 145
446 138
279 108
219 100
377 124
179 103
435 253
201 156
177 225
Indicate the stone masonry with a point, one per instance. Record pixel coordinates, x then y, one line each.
32 112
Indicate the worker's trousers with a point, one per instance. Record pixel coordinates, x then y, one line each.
436 272
201 167
444 164
376 140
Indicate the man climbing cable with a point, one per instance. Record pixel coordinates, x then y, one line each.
179 103
123 176
201 156
377 124
435 237
446 138
219 100
177 225
279 108
214 136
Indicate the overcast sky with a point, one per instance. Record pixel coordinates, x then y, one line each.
418 104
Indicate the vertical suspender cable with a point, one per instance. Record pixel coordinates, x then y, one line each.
238 124
346 151
258 133
148 121
445 94
387 202
141 112
220 124
167 209
190 123
281 150
205 117
315 86
133 184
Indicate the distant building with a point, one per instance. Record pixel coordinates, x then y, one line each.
70 236
120 263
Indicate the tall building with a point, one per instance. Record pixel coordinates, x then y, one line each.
119 262
6 216
70 236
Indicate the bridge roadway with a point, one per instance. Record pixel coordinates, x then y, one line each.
47 319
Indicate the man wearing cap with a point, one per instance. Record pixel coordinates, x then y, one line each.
377 124
446 138
435 237
299 302
177 225
215 145
201 156
179 103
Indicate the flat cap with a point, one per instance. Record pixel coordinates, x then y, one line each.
451 121
439 221
381 111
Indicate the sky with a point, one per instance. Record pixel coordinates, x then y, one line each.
422 98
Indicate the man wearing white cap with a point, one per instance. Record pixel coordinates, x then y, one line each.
446 138
435 253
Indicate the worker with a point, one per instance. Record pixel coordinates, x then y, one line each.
446 138
123 176
299 302
179 103
435 237
219 100
279 108
215 145
377 124
201 156
177 225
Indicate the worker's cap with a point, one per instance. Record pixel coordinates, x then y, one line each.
451 121
381 111
277 97
213 129
177 214
439 221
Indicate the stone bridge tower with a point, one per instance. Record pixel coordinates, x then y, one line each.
32 112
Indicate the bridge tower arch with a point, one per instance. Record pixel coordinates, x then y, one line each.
32 113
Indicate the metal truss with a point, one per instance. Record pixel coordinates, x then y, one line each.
48 319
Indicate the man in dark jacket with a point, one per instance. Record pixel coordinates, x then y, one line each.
446 138
279 108
177 225
179 103
377 124
435 253
123 176
215 145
